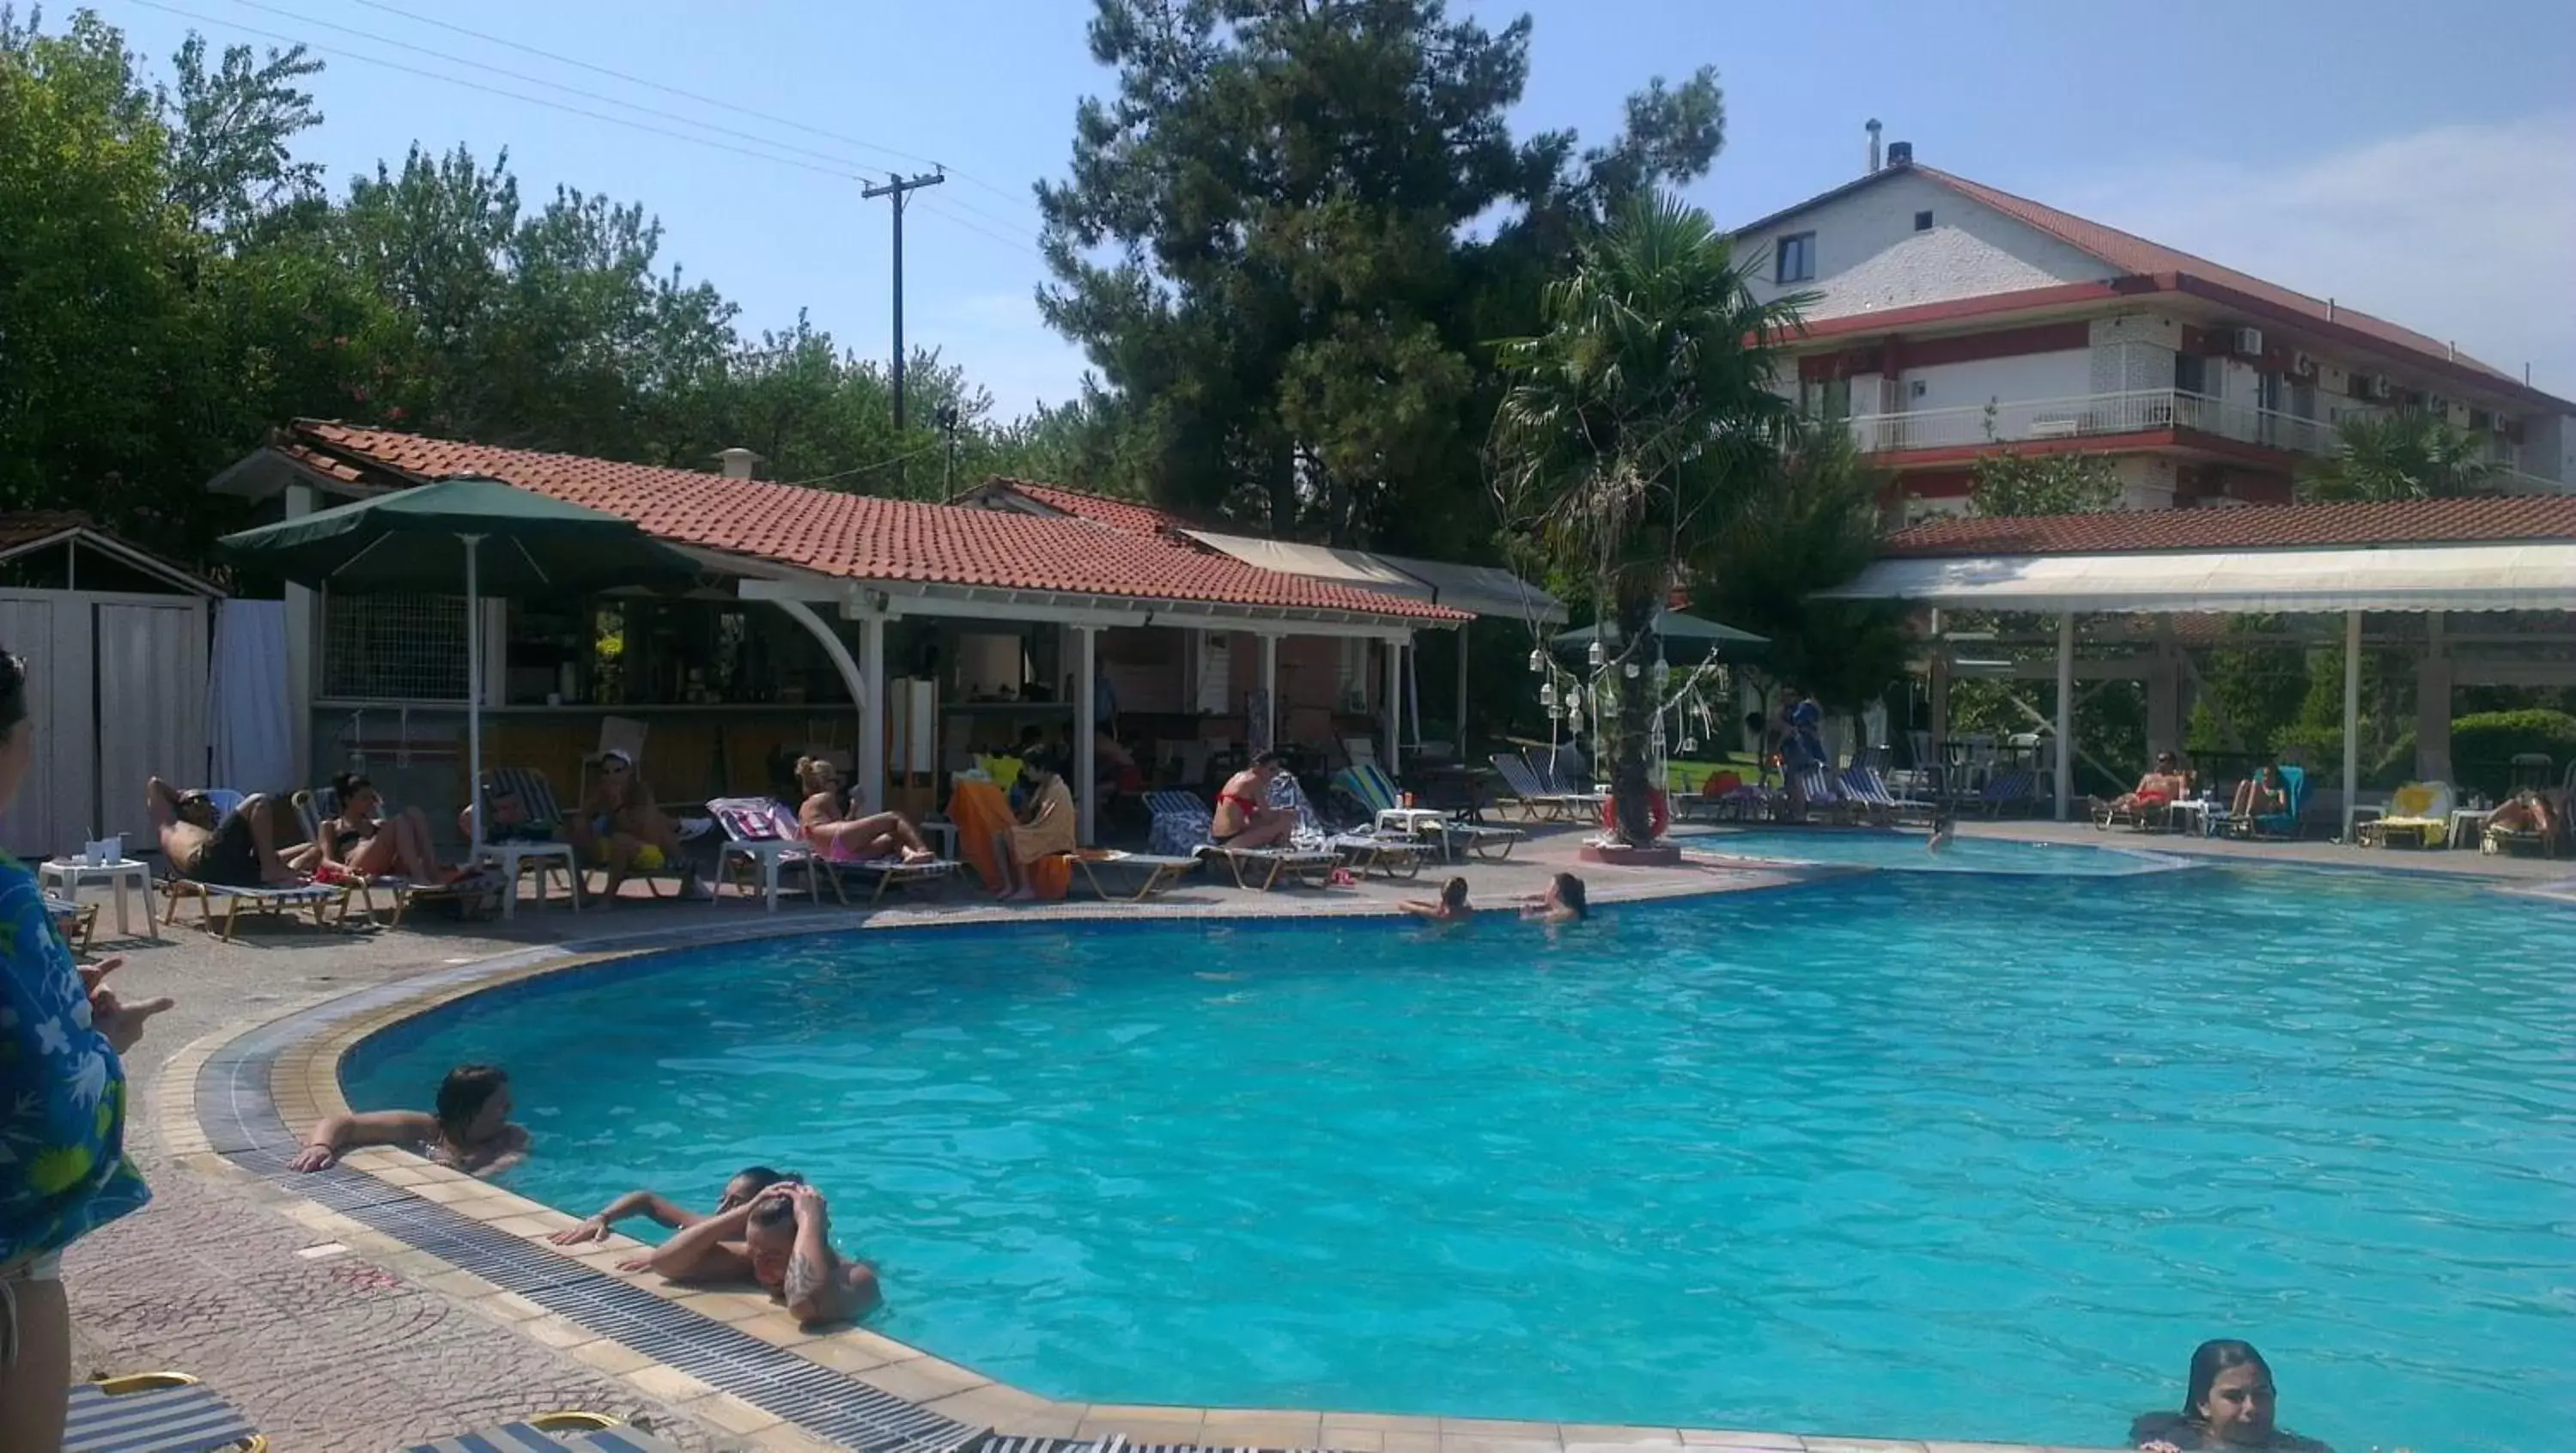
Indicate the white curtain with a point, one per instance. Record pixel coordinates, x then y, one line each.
248 732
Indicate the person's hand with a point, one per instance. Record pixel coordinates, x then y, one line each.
593 1229
90 974
637 1263
808 1202
312 1158
2158 1446
123 1023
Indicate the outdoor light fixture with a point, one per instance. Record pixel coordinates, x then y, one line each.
1547 694
1538 660
1629 670
1690 745
1597 656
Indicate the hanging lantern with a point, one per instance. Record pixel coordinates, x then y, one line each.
1663 673
1629 670
1596 655
1547 693
1538 660
1690 746
1574 698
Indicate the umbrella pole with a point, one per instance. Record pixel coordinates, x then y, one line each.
474 694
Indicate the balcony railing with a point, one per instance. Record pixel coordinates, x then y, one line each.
2087 416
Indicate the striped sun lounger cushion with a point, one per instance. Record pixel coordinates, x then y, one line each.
528 1438
187 1418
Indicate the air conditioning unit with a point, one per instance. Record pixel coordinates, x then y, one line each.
2247 343
2305 365
2377 386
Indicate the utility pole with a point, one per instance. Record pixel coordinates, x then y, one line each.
948 478
895 187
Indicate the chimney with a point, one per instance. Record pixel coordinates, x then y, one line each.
737 463
1900 153
1873 129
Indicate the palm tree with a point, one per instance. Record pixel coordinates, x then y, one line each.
1640 425
2409 454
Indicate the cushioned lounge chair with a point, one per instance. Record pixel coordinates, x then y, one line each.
551 1433
155 1412
1181 819
1368 785
2418 815
1362 850
2282 825
471 892
1534 800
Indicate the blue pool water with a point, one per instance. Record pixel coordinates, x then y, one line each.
1904 849
1939 1157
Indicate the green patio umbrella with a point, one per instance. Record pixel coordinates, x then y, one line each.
1726 643
478 534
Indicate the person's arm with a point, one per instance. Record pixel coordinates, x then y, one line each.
647 1204
699 1252
514 1147
1420 909
820 1286
339 1134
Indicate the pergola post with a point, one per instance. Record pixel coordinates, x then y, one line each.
1086 757
871 687
1394 704
2065 711
2351 718
1269 723
853 678
1459 731
2433 706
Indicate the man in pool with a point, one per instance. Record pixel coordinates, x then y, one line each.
746 1185
782 1240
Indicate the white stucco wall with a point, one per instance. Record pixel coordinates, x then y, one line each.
2006 380
1869 257
2146 481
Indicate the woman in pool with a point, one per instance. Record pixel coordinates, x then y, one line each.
1564 901
357 842
748 1182
1449 907
843 839
1047 826
470 1131
2227 1403
2260 795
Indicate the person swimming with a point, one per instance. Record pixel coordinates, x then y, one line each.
2228 1401
1565 901
470 1129
1938 841
1449 907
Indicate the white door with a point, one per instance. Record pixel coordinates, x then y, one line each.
27 828
151 710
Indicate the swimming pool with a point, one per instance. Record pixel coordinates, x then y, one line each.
1903 850
1899 1155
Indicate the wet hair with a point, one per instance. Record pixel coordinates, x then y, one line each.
775 1212
1453 894
464 1093
813 772
2210 1359
1569 893
13 692
761 1177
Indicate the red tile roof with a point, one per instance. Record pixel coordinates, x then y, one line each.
1118 514
859 537
2133 254
2481 519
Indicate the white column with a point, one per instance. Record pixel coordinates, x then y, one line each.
1394 708
302 667
2065 711
2433 706
1270 689
870 775
1086 762
1458 748
2351 718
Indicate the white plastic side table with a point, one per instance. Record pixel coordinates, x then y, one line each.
510 856
66 875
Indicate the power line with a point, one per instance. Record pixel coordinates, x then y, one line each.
671 90
546 81
954 220
497 91
909 454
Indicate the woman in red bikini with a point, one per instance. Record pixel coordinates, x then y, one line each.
1244 816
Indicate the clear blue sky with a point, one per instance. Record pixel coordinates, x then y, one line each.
2417 162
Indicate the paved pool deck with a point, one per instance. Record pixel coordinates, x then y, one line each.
321 1314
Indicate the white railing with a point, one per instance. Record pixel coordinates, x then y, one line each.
2087 416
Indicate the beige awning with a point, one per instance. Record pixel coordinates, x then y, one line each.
1483 589
2533 575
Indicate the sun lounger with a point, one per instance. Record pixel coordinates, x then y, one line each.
1181 820
2009 788
1397 855
2284 824
1152 873
1535 801
472 890
317 898
1866 789
155 1412
1367 784
551 1433
762 836
2419 814
77 922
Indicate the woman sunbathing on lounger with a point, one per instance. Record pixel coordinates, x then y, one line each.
202 845
1244 817
2543 812
357 842
1047 825
1450 907
471 1130
2262 795
863 839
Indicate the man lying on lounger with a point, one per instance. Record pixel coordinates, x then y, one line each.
781 1239
203 845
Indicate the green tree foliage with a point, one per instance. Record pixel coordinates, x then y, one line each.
1288 234
1815 526
175 283
2042 484
2408 454
1639 430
